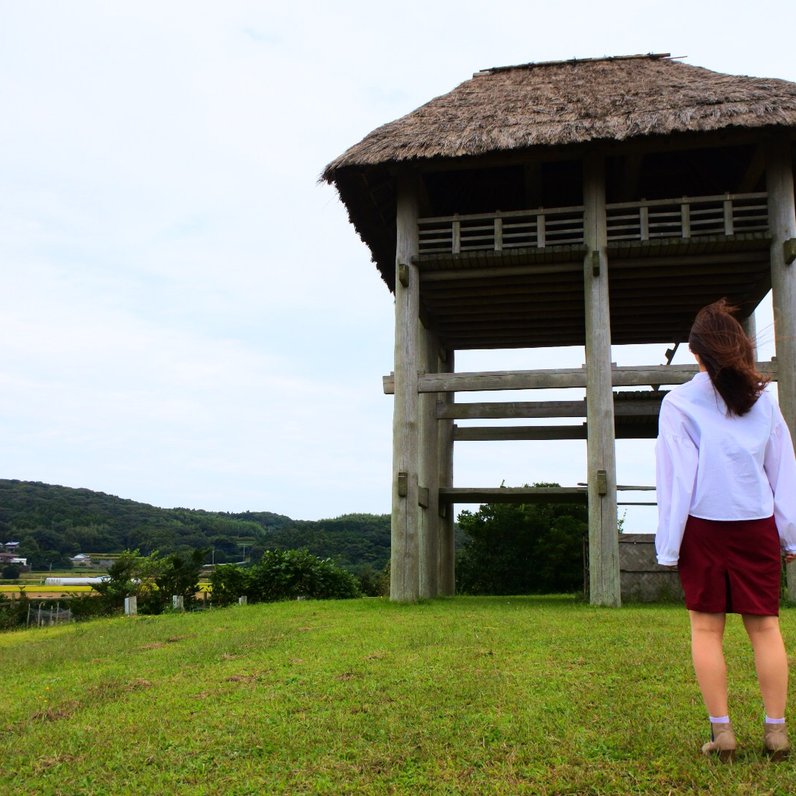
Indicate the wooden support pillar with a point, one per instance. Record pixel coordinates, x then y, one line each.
446 576
782 227
750 327
404 552
428 492
601 449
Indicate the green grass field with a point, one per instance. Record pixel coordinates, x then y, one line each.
461 696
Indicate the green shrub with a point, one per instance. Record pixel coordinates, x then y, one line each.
87 606
10 571
229 582
179 575
13 611
152 579
373 582
284 575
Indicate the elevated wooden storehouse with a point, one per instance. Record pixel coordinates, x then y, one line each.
585 202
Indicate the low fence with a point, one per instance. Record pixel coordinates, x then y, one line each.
44 615
642 579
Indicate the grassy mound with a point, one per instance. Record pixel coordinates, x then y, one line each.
461 696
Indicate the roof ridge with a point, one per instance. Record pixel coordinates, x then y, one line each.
572 62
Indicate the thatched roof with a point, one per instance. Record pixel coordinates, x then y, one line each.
569 102
510 132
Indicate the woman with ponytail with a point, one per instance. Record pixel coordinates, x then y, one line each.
726 481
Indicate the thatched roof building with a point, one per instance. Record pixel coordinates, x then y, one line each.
549 110
592 203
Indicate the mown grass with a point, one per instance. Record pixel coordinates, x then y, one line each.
460 696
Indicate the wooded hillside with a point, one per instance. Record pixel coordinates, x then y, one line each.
53 523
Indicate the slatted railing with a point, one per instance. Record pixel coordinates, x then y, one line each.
684 218
502 230
688 217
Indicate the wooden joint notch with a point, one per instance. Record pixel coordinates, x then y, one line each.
602 483
789 250
422 496
403 484
595 263
403 274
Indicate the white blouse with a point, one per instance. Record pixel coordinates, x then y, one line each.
719 466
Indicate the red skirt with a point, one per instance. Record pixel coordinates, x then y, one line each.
731 567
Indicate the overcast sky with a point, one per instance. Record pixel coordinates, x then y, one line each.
186 316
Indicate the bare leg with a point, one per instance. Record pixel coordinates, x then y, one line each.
707 634
771 662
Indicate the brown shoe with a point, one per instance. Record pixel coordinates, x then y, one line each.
722 742
776 741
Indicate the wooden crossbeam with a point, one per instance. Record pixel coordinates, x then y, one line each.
625 376
503 433
514 494
513 410
493 433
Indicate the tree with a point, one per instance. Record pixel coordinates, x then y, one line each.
10 571
132 575
522 549
229 582
179 576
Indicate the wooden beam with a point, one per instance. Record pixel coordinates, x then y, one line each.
526 494
624 430
641 407
515 342
460 274
624 376
495 433
512 409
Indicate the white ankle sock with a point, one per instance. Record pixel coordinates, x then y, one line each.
769 720
719 719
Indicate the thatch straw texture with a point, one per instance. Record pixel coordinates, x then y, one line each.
514 108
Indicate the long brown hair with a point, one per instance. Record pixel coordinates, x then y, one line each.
728 355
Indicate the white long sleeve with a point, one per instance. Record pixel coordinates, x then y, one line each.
780 469
676 461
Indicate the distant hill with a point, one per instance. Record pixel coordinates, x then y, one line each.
53 523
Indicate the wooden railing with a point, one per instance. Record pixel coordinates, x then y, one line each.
684 218
689 217
500 231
